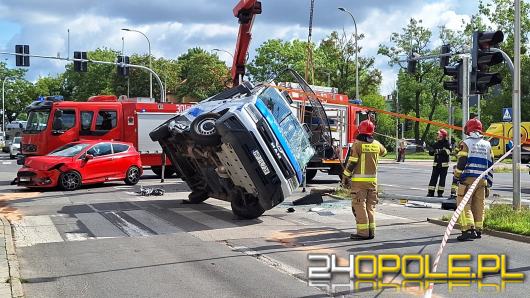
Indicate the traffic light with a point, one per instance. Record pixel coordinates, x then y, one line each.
482 58
123 71
411 64
455 71
20 59
444 61
80 66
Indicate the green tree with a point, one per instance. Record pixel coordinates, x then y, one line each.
202 75
17 92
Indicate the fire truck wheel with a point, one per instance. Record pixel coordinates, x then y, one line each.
132 176
203 129
167 173
310 174
197 197
247 207
70 180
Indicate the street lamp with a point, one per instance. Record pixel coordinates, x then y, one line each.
3 103
150 65
356 50
232 55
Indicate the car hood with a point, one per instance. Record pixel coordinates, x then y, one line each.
44 163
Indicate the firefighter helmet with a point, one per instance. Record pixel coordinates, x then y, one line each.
442 133
473 125
366 127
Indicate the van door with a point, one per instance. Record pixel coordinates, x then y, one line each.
100 124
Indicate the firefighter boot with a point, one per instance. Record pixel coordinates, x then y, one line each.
440 193
477 233
467 235
371 234
430 193
357 237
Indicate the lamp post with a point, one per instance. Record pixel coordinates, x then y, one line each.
150 65
356 50
3 103
221 50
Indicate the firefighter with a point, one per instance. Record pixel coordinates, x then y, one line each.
361 176
474 157
441 151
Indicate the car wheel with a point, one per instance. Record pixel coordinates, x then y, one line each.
203 129
310 175
169 171
247 207
197 197
132 176
70 180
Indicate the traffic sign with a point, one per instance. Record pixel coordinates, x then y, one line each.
507 114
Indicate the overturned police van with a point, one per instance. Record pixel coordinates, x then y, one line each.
244 145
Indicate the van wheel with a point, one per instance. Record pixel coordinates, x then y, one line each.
247 207
203 129
132 176
70 180
159 133
169 171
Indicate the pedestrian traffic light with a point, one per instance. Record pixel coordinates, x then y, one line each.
482 57
123 71
411 63
80 66
22 50
444 60
455 71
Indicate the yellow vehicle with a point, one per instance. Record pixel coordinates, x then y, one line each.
500 146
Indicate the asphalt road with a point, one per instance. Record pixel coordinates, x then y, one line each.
106 241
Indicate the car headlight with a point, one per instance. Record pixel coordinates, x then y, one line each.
253 112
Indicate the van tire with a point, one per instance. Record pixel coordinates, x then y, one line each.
203 130
247 207
159 133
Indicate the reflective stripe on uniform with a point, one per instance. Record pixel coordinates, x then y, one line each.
448 151
361 179
363 226
445 165
353 159
346 173
372 225
462 154
432 188
479 224
363 161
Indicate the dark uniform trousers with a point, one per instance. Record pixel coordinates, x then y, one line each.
438 176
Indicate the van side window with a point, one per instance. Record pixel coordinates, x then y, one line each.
86 122
494 142
64 119
106 120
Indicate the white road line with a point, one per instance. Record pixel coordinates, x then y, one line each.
154 223
202 217
268 260
33 230
77 236
99 226
403 187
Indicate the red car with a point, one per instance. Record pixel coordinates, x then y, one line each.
83 162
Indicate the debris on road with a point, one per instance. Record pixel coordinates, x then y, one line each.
150 191
290 210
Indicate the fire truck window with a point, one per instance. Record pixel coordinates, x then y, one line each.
100 150
106 120
64 119
86 121
119 148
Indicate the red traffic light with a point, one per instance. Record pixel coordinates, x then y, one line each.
490 39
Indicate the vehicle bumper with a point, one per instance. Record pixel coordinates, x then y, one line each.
35 178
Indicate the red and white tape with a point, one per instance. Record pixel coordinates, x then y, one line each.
455 216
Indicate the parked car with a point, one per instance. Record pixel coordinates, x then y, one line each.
83 162
14 148
413 146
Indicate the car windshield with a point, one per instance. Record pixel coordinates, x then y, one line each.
37 120
290 127
68 150
16 140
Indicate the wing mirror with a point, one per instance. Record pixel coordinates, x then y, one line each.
89 157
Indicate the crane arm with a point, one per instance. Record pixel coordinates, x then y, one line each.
245 11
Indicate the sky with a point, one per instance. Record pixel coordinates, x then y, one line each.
173 26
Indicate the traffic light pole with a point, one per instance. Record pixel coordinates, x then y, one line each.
516 107
465 92
162 91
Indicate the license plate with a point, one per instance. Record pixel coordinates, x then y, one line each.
24 179
261 162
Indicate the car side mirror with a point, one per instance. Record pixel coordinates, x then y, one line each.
89 157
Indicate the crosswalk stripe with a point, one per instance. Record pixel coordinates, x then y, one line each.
203 218
99 225
154 223
31 230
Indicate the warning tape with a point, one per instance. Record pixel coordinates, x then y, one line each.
398 115
455 217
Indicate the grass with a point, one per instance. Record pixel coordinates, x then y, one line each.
343 193
502 217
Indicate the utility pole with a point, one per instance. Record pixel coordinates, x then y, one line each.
450 117
516 106
465 91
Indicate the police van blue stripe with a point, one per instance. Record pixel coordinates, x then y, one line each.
283 142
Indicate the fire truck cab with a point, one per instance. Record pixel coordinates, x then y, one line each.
53 122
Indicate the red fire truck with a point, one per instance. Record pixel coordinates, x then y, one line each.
53 122
331 140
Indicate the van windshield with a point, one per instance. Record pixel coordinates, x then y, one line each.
37 121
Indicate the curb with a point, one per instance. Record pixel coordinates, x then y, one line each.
498 234
12 260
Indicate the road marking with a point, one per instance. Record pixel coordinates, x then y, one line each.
7 162
268 260
127 224
201 217
154 223
99 226
399 186
31 230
